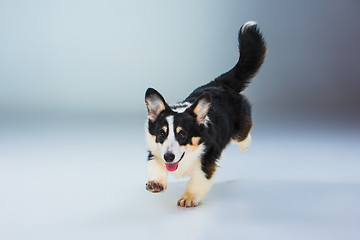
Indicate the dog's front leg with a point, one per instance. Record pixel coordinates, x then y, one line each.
196 189
157 176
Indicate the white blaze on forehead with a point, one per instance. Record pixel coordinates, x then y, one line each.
171 144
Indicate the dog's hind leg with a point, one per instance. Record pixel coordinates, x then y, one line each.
245 144
243 125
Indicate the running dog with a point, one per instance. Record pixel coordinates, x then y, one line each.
187 138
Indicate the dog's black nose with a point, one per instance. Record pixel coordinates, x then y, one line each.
169 157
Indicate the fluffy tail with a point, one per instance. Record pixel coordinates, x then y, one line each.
252 49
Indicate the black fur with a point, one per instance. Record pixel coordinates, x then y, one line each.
150 156
229 115
252 50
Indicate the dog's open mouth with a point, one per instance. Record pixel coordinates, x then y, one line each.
173 166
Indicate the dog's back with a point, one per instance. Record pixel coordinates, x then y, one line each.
230 112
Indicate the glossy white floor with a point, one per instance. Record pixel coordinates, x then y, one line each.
87 181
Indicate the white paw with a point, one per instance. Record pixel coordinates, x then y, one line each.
188 200
155 186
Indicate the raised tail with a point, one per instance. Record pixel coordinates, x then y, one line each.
252 49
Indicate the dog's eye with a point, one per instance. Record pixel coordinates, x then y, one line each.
182 136
162 133
161 136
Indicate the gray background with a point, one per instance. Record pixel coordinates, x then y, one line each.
72 153
98 57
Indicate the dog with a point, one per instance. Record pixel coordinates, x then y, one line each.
187 138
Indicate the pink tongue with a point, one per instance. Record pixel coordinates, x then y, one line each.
171 166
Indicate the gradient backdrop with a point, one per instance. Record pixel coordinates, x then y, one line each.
72 155
98 57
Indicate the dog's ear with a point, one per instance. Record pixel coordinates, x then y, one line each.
155 103
201 108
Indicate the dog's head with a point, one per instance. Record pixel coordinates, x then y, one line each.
177 130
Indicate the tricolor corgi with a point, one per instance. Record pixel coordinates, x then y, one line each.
187 138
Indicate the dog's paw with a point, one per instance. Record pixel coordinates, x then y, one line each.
155 187
188 200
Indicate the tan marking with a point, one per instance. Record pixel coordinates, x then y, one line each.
154 138
201 112
195 143
164 128
178 129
